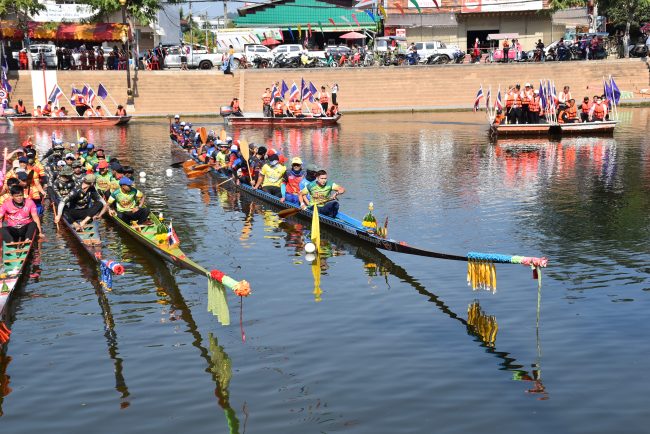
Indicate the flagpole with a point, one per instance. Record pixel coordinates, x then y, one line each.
101 102
611 86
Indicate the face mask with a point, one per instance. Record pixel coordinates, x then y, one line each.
274 163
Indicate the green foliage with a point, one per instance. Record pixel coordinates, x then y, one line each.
29 7
143 11
621 11
557 5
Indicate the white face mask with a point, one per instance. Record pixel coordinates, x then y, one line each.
274 163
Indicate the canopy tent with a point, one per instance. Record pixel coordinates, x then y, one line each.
353 35
269 42
499 36
97 32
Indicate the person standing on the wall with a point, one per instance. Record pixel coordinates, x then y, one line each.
335 90
506 49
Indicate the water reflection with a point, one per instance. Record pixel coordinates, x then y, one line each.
5 379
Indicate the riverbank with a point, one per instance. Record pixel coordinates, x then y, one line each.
362 90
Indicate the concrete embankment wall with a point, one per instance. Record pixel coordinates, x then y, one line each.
361 89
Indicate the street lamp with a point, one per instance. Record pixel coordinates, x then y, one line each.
125 41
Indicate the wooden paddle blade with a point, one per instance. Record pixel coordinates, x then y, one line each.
288 212
187 166
201 167
197 173
243 148
204 135
223 136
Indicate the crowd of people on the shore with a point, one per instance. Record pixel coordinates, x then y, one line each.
299 185
82 59
526 106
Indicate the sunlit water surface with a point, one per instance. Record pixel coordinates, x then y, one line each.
384 345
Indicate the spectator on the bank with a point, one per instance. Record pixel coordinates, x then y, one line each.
506 49
67 58
517 46
476 54
59 58
91 59
22 59
184 57
99 60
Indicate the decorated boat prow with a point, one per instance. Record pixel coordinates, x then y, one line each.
15 259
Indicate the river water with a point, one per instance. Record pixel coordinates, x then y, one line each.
384 344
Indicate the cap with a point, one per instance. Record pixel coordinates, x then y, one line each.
23 160
228 139
82 140
536 91
126 181
312 168
102 164
70 156
296 160
89 179
234 148
61 163
528 85
76 163
186 128
222 144
274 157
22 176
57 141
177 117
90 146
183 124
251 146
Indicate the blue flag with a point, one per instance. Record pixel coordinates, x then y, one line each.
102 92
284 89
542 95
291 33
615 91
371 15
607 90
312 91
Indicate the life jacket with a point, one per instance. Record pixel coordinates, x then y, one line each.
498 119
297 108
47 110
37 112
506 44
585 107
332 111
235 106
278 109
79 100
120 112
560 116
316 110
509 99
20 108
534 104
324 98
572 112
526 96
266 98
516 103
599 111
293 182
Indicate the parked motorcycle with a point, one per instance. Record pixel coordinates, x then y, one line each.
437 59
283 61
259 62
412 58
640 49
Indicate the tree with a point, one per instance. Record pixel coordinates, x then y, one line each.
20 7
625 11
558 5
144 11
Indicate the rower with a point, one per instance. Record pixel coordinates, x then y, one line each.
89 158
33 189
63 183
69 159
176 126
221 157
47 110
104 180
121 111
19 217
278 108
271 177
80 205
320 193
100 111
585 107
10 183
20 108
129 203
77 172
37 111
294 182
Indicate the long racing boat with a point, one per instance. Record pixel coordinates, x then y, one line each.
259 120
64 121
569 129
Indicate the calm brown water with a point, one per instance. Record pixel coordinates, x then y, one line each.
388 347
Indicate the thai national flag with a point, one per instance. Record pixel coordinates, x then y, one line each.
477 100
84 91
172 238
91 97
55 94
488 99
274 93
284 89
312 91
293 93
499 103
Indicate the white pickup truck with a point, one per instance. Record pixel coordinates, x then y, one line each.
251 51
429 48
197 57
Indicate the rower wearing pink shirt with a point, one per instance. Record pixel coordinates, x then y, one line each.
19 217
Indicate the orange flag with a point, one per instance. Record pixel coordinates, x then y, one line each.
399 6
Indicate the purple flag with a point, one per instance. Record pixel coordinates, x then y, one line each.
102 92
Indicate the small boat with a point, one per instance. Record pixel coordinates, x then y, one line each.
72 121
258 120
15 257
569 129
355 228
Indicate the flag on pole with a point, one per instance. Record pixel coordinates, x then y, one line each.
284 89
354 17
332 21
172 238
302 89
55 94
274 93
299 32
293 93
383 13
309 29
399 7
371 15
542 95
487 98
499 103
312 91
616 92
91 97
477 100
417 6
84 91
101 91
291 33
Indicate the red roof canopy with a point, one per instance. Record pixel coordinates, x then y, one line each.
97 32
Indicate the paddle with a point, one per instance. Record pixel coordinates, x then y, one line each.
245 153
196 173
223 136
293 211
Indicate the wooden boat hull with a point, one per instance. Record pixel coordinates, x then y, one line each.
575 129
72 121
14 259
342 223
261 121
154 236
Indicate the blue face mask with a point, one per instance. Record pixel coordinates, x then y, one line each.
274 163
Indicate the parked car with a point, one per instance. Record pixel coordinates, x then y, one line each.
197 57
429 48
252 51
289 50
47 50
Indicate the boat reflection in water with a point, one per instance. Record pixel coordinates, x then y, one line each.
218 362
5 379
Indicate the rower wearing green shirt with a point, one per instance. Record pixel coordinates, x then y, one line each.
129 203
90 157
320 191
105 183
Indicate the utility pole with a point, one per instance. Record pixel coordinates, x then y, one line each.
206 24
191 36
225 14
